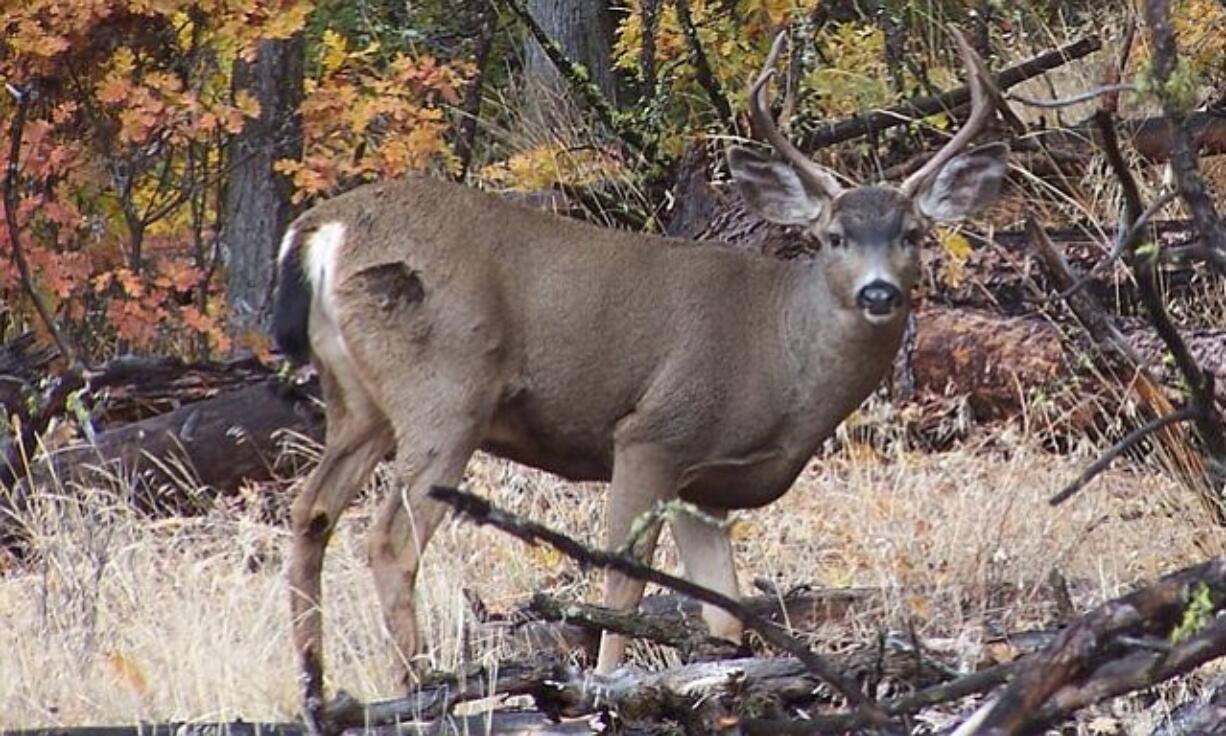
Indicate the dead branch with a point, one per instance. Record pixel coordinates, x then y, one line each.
1121 357
481 511
875 122
1151 137
1077 99
1199 382
1099 638
1144 668
1126 240
1119 448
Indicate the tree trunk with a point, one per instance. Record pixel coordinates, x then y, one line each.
584 32
257 202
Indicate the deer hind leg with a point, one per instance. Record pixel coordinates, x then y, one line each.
358 438
640 478
429 452
706 553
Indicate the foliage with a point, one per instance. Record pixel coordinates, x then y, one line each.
126 150
122 162
365 119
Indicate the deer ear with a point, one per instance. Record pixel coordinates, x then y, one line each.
965 184
774 190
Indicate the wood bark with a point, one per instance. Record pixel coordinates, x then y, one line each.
257 203
584 32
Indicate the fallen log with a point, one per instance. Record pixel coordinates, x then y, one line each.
179 461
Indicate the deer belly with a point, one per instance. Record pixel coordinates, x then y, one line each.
740 483
576 455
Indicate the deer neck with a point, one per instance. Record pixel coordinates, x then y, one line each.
831 347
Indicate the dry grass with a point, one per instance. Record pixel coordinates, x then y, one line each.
120 618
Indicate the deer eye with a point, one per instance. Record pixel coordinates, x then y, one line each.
912 238
835 240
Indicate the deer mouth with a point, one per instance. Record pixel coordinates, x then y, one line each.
880 315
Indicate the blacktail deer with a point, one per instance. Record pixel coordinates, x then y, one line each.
443 320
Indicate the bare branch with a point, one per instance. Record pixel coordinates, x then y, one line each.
1119 448
1125 240
1198 381
1079 653
1188 178
1076 99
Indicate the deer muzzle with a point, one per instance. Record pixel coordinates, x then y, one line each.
879 299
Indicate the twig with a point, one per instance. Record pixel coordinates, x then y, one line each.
874 122
1119 448
1074 99
972 684
1140 670
1093 316
16 130
702 68
482 511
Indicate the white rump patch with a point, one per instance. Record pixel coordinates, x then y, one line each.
323 248
320 259
286 244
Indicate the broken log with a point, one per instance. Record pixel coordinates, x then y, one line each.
179 461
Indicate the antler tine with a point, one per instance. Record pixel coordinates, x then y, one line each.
759 111
981 112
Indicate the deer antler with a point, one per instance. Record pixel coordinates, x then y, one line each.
759 110
981 113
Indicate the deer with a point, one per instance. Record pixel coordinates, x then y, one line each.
442 320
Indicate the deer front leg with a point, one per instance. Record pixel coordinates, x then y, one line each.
349 458
641 476
706 553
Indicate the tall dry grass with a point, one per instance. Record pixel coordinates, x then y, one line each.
118 618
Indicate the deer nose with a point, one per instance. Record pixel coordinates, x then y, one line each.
879 297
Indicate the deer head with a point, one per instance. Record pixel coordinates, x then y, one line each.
870 235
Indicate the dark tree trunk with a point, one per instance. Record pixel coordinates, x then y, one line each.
257 203
584 32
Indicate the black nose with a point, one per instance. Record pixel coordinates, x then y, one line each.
879 297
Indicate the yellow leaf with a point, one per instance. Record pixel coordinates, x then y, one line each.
335 51
957 250
247 104
129 672
545 556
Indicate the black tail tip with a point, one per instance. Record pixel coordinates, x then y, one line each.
293 309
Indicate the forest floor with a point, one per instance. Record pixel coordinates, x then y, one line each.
121 618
